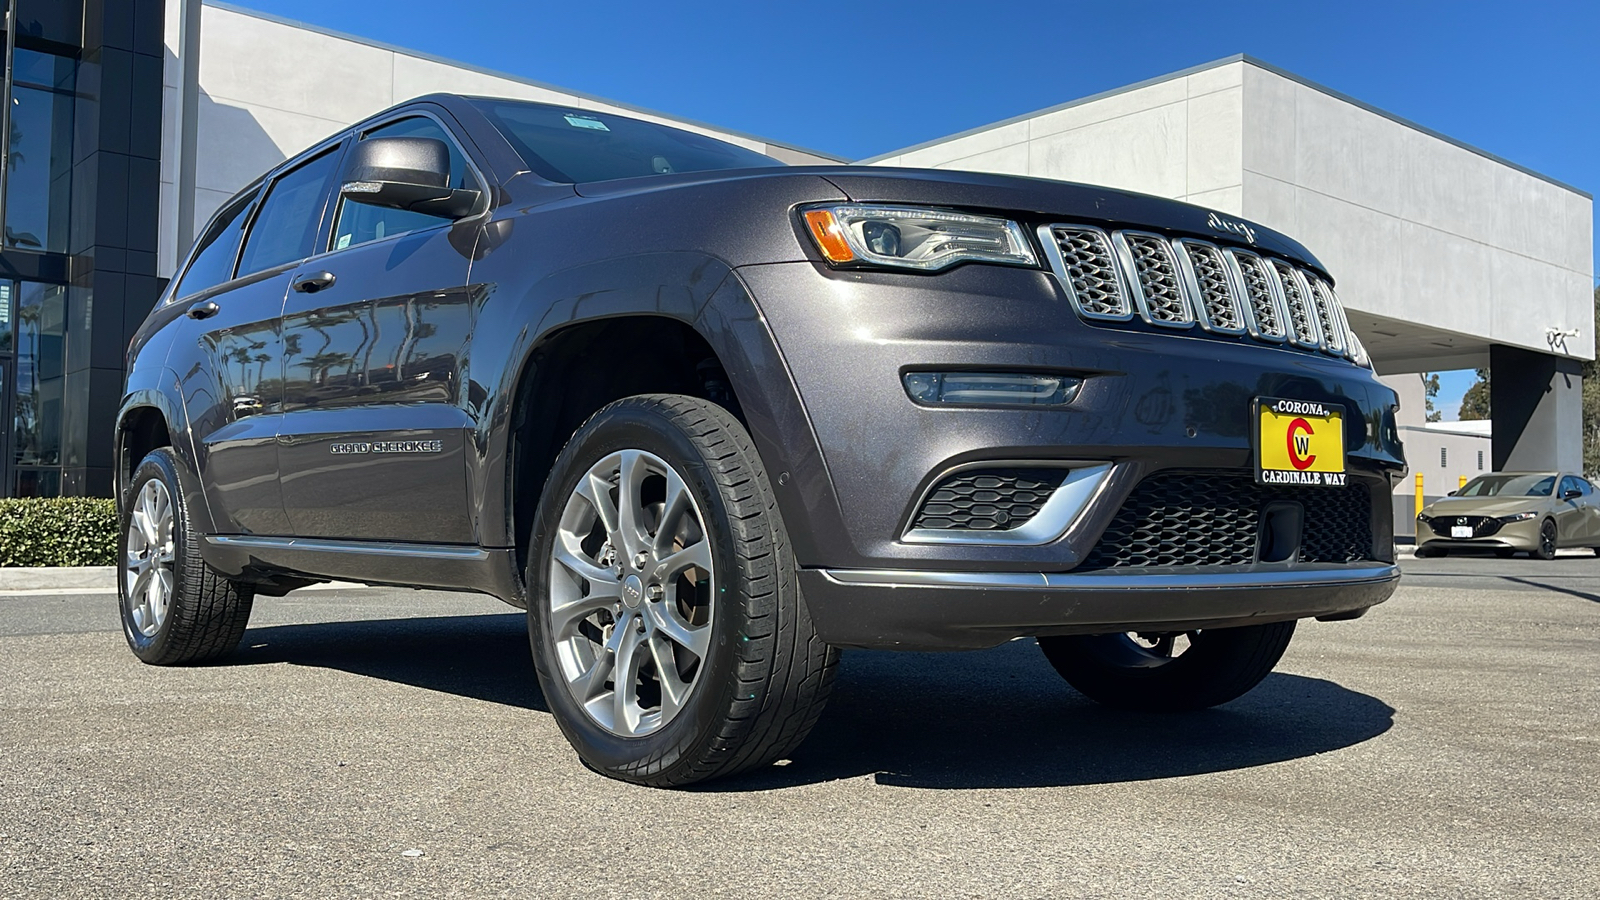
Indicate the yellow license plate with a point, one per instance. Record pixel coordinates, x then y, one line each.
1299 442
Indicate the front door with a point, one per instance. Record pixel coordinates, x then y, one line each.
373 440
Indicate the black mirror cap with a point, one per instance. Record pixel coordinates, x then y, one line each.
409 173
1571 494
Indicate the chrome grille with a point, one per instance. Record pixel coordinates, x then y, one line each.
1266 305
1303 327
1162 299
1207 270
1329 316
1089 267
1111 276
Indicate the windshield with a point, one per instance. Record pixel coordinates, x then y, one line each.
577 146
1509 486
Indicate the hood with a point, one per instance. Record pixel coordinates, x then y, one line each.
1037 200
1483 506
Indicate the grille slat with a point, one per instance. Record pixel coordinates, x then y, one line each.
1218 301
987 499
1086 257
1210 518
1328 314
1303 326
1163 300
1266 304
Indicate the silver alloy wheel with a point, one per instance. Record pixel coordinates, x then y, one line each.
631 593
147 563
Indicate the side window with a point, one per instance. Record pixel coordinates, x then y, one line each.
359 223
1585 486
213 257
286 228
1568 483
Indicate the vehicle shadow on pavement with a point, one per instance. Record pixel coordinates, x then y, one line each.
997 718
1002 718
483 657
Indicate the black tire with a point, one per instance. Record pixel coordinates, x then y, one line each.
1548 541
207 614
1219 665
766 675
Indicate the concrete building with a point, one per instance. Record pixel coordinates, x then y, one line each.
141 116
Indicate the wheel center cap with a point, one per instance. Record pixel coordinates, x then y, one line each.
632 591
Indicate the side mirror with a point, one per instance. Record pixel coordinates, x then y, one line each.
407 173
1451 494
1571 494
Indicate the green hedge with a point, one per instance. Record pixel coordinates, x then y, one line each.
63 531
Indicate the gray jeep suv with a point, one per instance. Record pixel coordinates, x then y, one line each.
710 419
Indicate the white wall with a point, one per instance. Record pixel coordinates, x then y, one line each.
1415 228
270 89
1179 138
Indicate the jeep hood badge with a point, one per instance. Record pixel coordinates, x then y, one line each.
1231 226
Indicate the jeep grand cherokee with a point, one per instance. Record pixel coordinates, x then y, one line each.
710 419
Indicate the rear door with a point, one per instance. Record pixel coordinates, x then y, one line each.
373 437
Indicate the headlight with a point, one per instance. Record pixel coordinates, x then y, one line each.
907 237
1424 518
1520 517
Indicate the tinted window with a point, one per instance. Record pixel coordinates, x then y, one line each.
1585 486
39 174
213 260
575 147
1570 484
286 228
359 223
1509 486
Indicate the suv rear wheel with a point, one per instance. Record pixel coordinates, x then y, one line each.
668 631
176 609
1168 672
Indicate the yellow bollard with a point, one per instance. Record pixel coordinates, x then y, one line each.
1462 483
1419 493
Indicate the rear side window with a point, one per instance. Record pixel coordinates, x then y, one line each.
360 223
285 230
213 257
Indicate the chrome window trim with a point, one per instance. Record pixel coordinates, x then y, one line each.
1119 239
1326 574
1190 279
1058 265
1082 482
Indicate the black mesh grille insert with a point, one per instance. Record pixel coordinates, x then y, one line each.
1208 518
1482 526
988 499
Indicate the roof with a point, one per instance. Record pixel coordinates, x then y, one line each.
1228 61
494 73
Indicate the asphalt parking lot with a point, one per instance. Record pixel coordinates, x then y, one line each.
393 742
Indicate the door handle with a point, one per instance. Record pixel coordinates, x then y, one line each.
310 284
204 310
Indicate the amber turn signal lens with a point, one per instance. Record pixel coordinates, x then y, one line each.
825 228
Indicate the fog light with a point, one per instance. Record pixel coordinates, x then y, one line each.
991 389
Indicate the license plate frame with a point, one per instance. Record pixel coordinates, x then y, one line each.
1298 442
1460 531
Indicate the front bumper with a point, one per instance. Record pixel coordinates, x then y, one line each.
851 455
1510 536
923 610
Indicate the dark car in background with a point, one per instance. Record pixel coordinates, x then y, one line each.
710 419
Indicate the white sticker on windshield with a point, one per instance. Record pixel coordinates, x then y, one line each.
344 241
586 122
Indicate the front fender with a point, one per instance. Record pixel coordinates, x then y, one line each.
515 319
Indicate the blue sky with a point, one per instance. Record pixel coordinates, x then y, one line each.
1521 81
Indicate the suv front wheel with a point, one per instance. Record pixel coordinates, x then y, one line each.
668 631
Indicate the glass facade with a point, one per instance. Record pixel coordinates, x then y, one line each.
38 188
